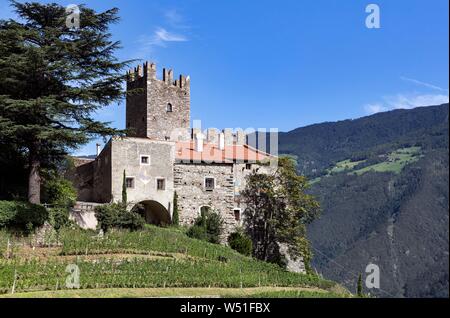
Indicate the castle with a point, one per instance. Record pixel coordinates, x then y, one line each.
162 154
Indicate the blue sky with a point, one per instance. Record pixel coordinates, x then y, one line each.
286 64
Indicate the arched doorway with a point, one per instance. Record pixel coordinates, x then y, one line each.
153 212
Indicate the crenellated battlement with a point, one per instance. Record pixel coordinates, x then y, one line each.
147 71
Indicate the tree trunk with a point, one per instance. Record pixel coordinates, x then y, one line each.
34 179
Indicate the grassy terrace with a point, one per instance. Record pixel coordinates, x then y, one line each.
395 161
149 263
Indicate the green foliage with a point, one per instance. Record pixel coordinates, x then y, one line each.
59 217
59 192
208 227
197 232
278 209
175 216
115 215
22 216
204 264
53 80
359 287
241 243
124 188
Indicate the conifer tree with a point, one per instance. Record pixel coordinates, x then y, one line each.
359 288
53 78
124 189
175 216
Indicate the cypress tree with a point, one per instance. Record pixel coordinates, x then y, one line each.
124 188
359 288
175 216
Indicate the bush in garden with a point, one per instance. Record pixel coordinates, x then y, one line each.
115 215
207 227
7 212
59 192
241 243
22 216
197 232
59 217
130 220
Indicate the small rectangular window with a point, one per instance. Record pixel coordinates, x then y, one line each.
145 160
161 184
129 182
209 184
237 214
248 166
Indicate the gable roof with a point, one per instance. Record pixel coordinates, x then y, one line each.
185 151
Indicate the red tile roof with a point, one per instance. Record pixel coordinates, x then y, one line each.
185 151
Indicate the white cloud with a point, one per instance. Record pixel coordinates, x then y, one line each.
424 84
162 35
374 108
159 38
406 101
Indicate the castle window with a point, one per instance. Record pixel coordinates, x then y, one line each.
160 184
205 210
209 184
169 108
248 166
145 160
237 214
129 182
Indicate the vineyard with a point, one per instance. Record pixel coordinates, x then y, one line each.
153 258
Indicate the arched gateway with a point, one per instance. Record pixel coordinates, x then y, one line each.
153 212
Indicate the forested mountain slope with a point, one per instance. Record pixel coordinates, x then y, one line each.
383 185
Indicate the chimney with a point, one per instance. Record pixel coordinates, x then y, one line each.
228 133
221 141
98 149
240 137
199 142
211 135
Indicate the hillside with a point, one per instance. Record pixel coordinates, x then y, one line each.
383 183
319 146
155 262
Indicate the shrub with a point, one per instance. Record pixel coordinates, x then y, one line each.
130 220
115 215
7 212
208 227
22 215
59 217
240 242
197 232
59 192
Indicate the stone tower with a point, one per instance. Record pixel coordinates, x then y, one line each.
156 108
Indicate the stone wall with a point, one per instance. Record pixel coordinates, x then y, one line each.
190 186
126 155
147 108
82 177
102 176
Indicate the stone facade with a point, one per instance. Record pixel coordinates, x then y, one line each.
154 157
193 194
157 109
